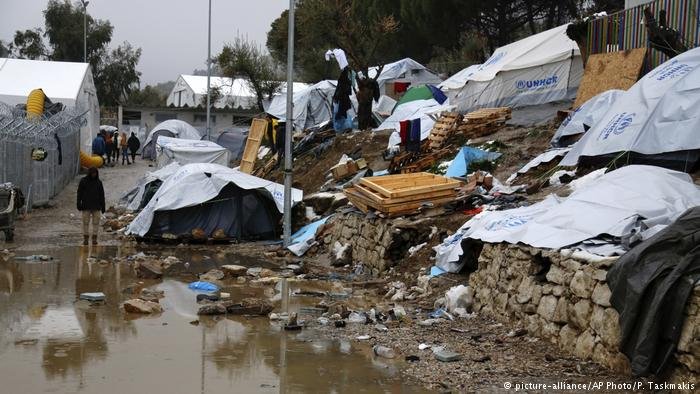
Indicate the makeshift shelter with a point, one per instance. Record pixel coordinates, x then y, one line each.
170 128
137 198
538 69
213 198
423 92
655 121
631 201
191 91
312 105
70 84
234 141
584 117
397 77
176 150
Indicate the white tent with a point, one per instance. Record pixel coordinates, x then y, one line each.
64 82
312 105
176 150
587 114
191 91
452 85
541 68
404 70
169 128
426 110
631 200
657 115
194 184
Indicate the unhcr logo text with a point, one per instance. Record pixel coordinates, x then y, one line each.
537 84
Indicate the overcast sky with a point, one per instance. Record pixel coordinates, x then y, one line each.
172 33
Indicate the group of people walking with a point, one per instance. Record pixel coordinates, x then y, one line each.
110 145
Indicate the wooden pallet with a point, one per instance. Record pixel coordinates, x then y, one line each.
395 195
262 172
250 154
484 121
443 128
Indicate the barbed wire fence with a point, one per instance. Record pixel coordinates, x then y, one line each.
57 134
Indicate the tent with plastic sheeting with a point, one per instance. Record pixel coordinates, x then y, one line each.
584 117
234 141
214 199
423 92
176 150
406 72
312 106
426 110
538 69
631 201
137 198
655 122
170 128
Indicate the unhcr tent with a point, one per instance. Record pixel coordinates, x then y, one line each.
170 128
407 72
312 106
234 141
538 69
452 85
656 120
584 117
70 84
176 150
211 197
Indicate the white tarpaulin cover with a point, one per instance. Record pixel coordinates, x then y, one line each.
631 198
405 70
422 109
544 157
538 69
170 128
194 184
175 150
587 114
132 199
312 105
658 114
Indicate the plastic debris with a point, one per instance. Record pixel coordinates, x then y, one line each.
93 297
203 286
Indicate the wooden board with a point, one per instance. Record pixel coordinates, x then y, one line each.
379 199
257 130
409 184
364 203
605 71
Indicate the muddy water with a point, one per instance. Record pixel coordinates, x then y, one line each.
52 343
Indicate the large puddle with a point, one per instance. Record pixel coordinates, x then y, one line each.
52 343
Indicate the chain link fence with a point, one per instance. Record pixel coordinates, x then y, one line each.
20 138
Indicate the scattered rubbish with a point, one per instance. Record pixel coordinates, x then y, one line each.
381 328
35 257
339 323
414 249
412 358
428 322
465 157
207 297
481 358
447 356
423 346
203 286
292 323
363 337
324 321
436 271
383 351
441 312
357 318
399 312
459 297
224 296
92 297
517 333
140 306
305 237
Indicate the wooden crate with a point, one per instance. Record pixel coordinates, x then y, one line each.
250 154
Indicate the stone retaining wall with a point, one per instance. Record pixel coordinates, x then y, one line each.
566 300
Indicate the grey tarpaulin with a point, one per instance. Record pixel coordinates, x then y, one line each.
650 286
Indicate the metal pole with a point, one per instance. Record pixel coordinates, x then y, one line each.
287 228
85 4
209 76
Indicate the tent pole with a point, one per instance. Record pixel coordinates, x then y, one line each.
209 76
288 130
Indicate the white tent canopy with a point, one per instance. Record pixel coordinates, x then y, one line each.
176 150
458 80
65 82
538 69
587 114
132 199
631 200
312 105
658 114
404 70
170 128
194 184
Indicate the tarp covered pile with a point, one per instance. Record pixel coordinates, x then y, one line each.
169 150
633 201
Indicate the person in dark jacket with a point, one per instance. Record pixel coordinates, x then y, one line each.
134 144
98 145
91 202
109 147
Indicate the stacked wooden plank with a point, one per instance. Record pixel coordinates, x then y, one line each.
396 195
443 128
484 121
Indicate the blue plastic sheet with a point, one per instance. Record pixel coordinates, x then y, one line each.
203 286
300 240
465 156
